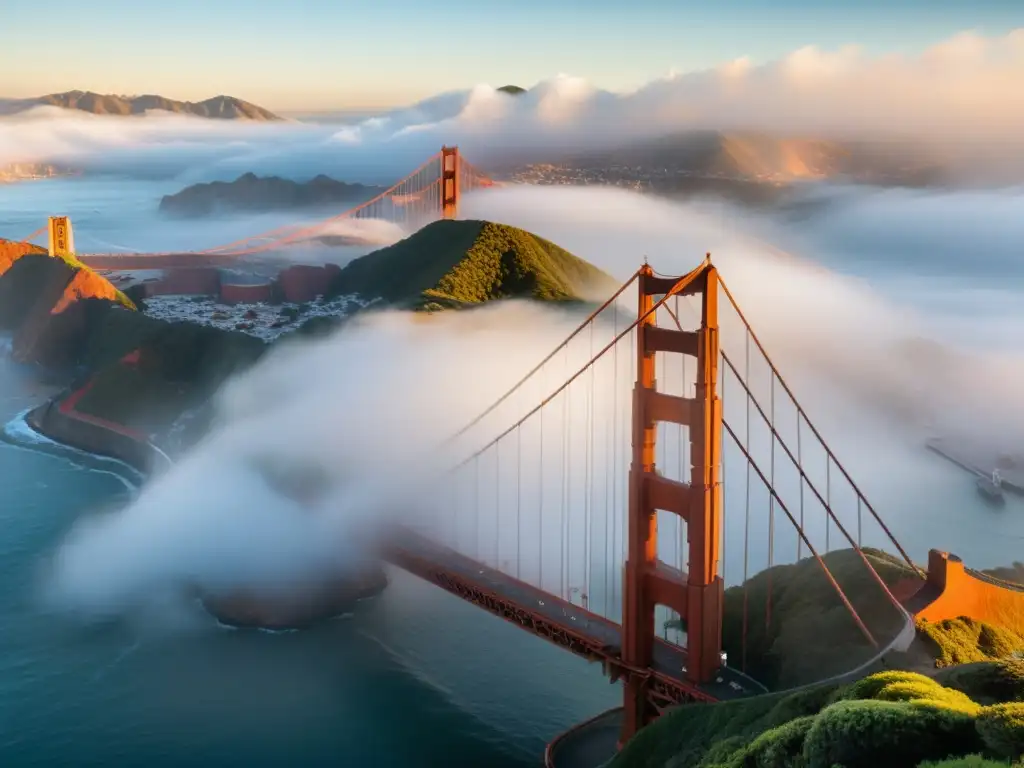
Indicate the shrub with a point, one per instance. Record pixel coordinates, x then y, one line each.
988 682
869 687
780 747
965 640
970 761
1001 727
932 694
866 734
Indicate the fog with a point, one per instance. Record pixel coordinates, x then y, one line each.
893 315
963 90
876 370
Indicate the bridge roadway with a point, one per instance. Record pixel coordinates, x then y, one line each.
140 262
559 621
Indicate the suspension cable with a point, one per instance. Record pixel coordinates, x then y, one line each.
590 318
814 429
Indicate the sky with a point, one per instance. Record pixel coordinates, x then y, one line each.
323 55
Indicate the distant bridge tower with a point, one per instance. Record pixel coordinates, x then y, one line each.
696 595
62 238
449 182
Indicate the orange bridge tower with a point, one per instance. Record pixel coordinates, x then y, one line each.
449 182
696 595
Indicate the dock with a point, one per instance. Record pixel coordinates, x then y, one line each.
978 463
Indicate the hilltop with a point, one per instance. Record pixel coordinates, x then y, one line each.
254 193
11 251
46 301
218 107
462 263
512 90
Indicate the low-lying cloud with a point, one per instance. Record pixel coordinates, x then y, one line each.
965 89
878 372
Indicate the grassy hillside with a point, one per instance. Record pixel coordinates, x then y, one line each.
887 719
464 263
805 633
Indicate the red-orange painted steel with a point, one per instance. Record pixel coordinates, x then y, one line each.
449 182
697 594
641 526
705 587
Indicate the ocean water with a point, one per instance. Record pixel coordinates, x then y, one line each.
414 678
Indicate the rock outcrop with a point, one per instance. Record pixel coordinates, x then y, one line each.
255 193
50 302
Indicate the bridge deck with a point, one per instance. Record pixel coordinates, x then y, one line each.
136 262
568 625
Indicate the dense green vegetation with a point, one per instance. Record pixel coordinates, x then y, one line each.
180 366
804 633
451 264
891 718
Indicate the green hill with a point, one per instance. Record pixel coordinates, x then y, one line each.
464 263
512 90
888 719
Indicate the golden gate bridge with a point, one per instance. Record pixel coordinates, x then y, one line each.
655 457
430 192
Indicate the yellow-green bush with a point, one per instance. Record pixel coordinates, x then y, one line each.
780 747
869 733
965 640
971 761
890 718
1001 726
910 687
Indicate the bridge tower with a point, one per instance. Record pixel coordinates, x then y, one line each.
696 595
449 182
62 238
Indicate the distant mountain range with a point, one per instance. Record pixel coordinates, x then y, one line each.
254 193
219 107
